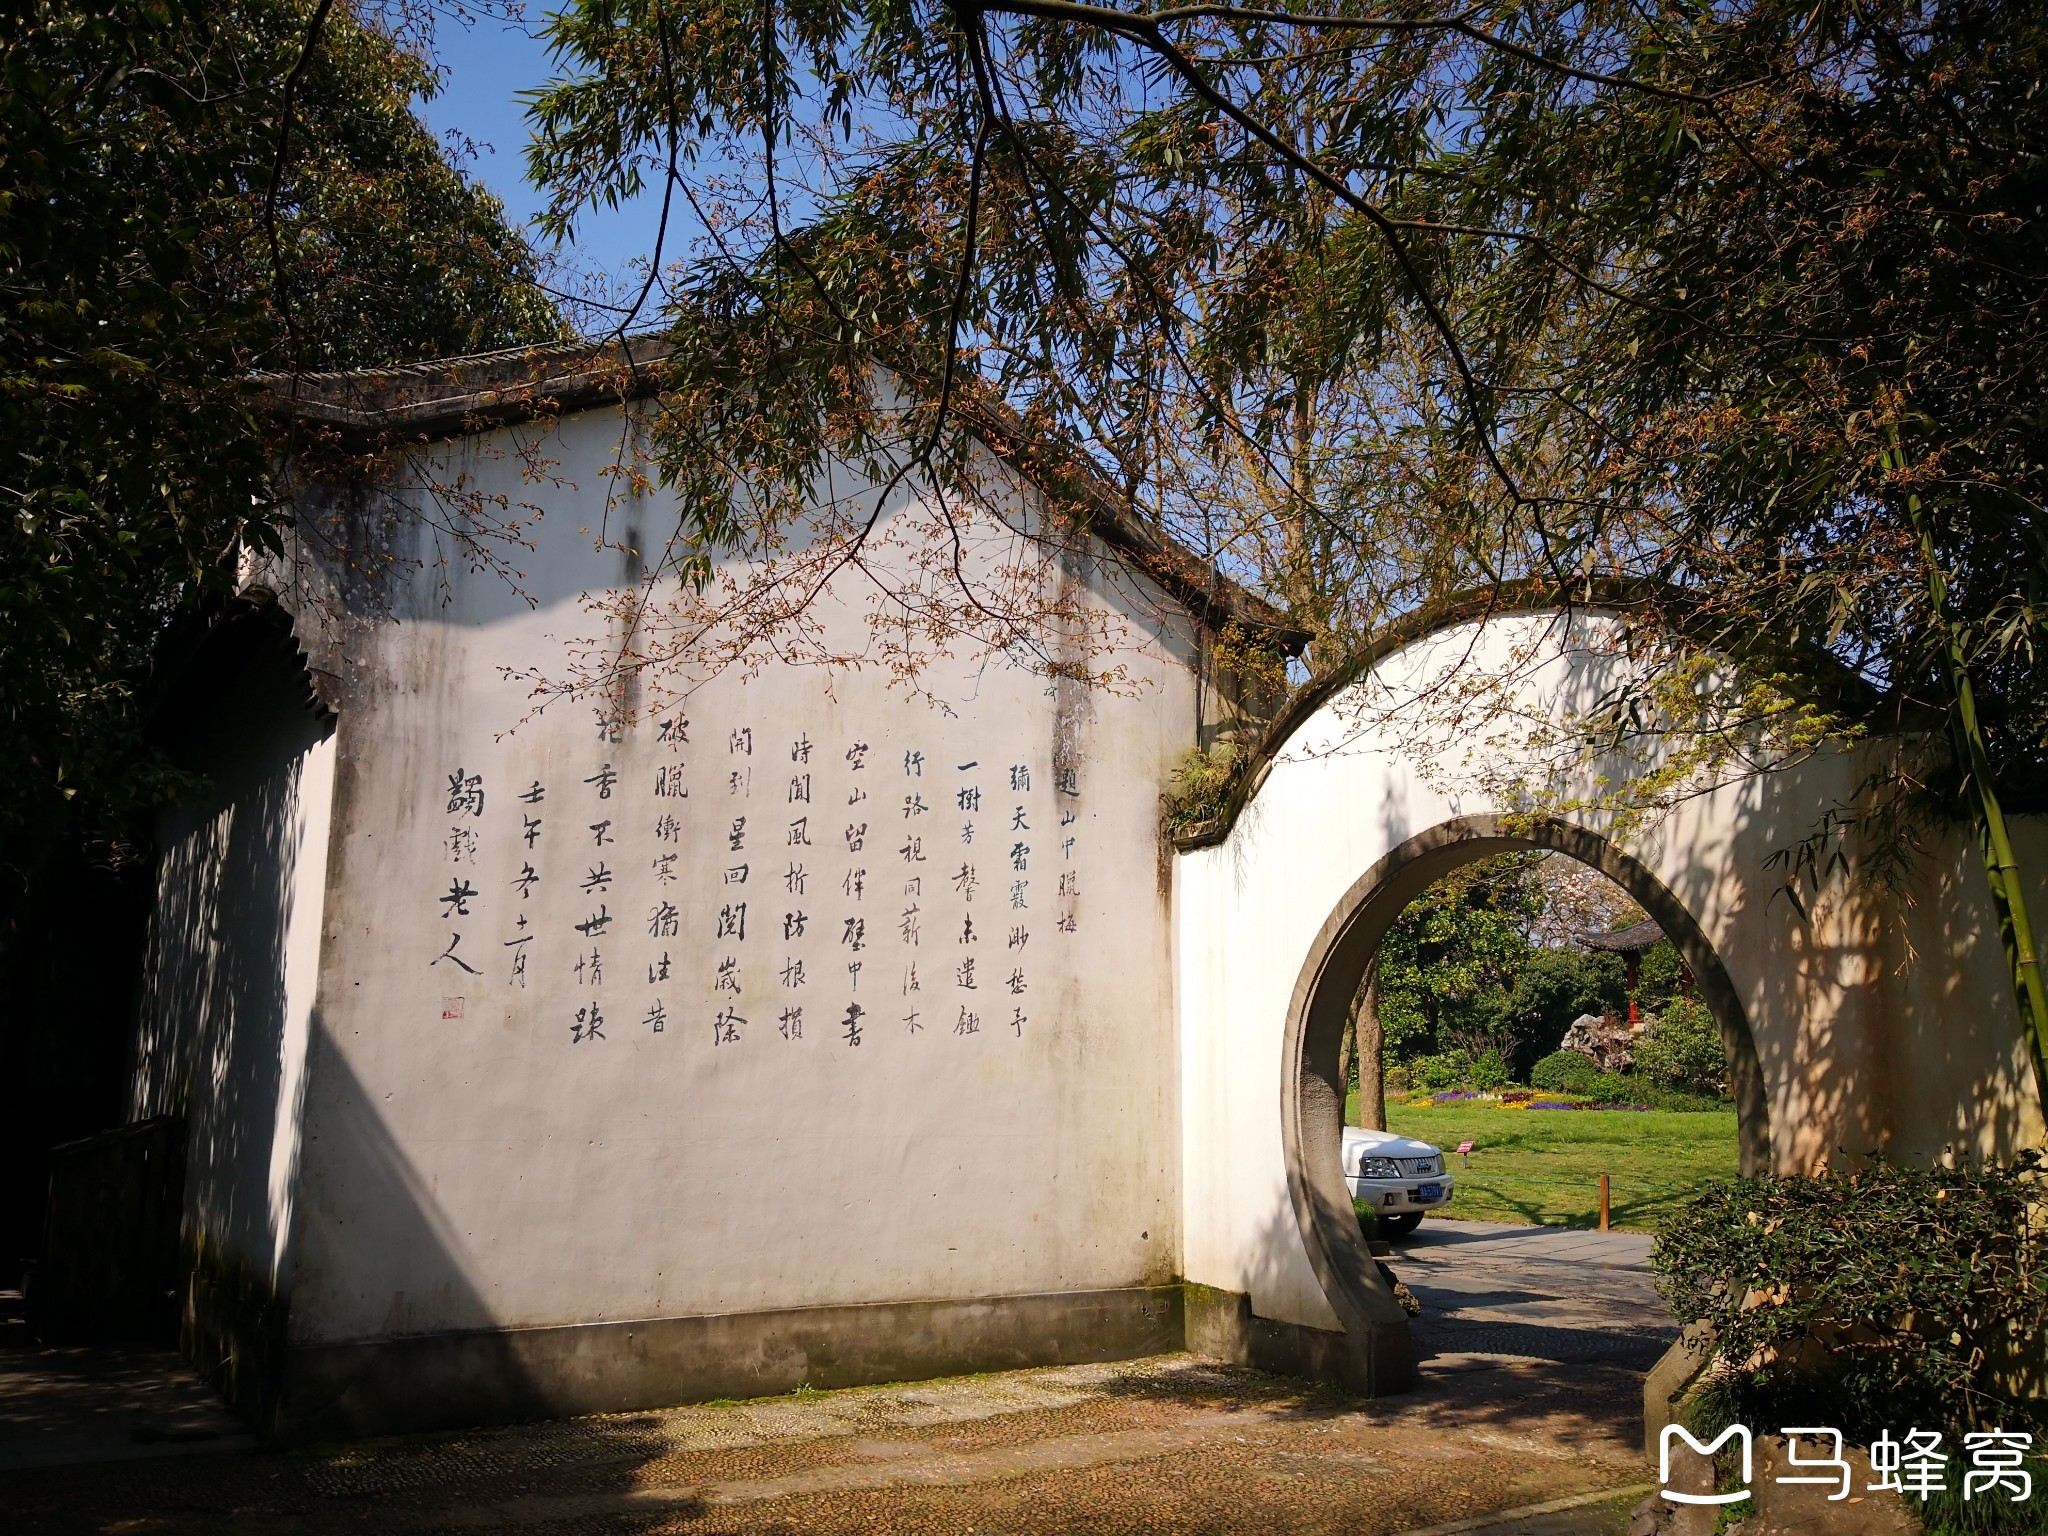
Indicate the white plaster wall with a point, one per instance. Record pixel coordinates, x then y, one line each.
1861 1050
468 1164
233 963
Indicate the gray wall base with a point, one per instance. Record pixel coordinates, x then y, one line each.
1221 1324
450 1380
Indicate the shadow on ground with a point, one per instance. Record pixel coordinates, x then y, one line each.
1530 1393
1173 1444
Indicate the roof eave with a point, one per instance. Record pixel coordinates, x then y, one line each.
377 409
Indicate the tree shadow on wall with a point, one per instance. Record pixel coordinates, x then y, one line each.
215 1042
1908 1041
230 1039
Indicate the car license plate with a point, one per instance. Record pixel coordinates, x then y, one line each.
1430 1192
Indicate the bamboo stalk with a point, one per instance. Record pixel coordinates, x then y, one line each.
2001 865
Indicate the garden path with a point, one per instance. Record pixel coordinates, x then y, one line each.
1493 1293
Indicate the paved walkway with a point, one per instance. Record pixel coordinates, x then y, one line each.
1495 1242
1530 1401
1492 1293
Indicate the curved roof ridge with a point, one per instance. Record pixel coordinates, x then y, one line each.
1532 594
1529 595
269 378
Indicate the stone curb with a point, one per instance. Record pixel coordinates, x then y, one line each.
1482 1523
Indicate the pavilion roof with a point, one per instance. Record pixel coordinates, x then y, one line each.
1622 941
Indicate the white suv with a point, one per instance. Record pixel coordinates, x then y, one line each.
1400 1178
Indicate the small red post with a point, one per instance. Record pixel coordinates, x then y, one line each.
1603 1202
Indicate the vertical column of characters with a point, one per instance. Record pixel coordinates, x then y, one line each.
909 917
806 830
911 910
589 1022
463 903
965 1004
1023 852
729 926
1067 799
852 938
1066 806
520 935
796 856
664 918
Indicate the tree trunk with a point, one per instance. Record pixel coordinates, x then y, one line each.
1371 1046
1347 1055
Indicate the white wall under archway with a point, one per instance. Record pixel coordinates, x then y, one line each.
1882 1021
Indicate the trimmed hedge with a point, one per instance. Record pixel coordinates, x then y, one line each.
1882 1298
1564 1072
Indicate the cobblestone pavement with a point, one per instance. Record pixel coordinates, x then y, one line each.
1173 1444
1530 1397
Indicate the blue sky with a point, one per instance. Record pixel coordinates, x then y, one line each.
485 66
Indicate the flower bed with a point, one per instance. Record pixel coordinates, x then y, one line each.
1513 1098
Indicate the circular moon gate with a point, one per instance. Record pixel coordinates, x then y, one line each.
1312 1108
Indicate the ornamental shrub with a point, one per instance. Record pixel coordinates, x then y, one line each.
1490 1072
1564 1072
1614 1088
1368 1219
1881 1299
1682 1049
1433 1074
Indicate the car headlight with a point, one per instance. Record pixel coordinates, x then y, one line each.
1378 1168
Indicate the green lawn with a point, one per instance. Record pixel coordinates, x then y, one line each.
1544 1166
